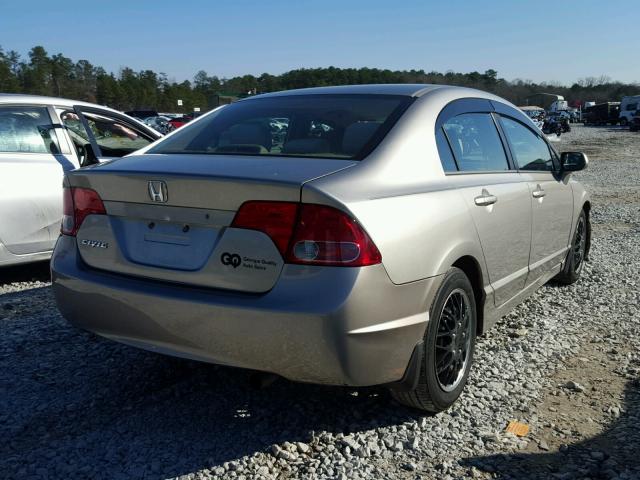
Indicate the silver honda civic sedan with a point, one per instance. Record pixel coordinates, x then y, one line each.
356 235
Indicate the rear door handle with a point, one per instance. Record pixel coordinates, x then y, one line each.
538 192
485 199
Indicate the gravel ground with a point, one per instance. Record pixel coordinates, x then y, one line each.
566 362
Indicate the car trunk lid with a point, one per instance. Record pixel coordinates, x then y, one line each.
169 216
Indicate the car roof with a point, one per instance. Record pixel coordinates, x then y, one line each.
404 89
43 100
20 99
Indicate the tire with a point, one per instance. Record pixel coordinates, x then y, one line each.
436 392
576 256
624 122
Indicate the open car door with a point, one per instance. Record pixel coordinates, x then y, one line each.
100 135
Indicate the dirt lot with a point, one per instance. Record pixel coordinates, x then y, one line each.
566 362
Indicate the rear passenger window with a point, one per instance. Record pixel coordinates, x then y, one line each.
444 150
475 142
529 150
24 130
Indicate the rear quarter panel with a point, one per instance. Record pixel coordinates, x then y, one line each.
400 195
419 235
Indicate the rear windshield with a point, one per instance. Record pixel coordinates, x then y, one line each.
329 126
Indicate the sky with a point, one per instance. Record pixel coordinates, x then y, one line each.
554 41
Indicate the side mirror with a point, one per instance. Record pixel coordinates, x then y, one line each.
573 161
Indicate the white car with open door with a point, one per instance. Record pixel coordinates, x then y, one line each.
41 138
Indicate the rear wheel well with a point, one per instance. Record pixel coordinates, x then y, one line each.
471 269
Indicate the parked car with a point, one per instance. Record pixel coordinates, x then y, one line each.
574 115
142 114
369 245
40 139
170 115
628 108
556 123
536 114
634 125
160 124
178 122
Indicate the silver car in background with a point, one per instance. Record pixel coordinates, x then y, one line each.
355 235
41 138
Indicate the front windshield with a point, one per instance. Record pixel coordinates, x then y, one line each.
329 126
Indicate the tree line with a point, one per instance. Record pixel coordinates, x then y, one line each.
59 76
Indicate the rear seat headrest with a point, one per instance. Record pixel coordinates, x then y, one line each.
357 135
307 146
250 134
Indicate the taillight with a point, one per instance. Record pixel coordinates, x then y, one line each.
77 203
328 236
310 234
276 219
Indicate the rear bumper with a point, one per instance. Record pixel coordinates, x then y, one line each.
339 326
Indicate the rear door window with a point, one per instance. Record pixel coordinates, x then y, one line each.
476 143
25 129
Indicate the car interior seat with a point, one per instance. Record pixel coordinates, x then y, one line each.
307 146
357 135
249 133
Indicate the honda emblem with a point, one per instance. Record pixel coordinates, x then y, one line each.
158 191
